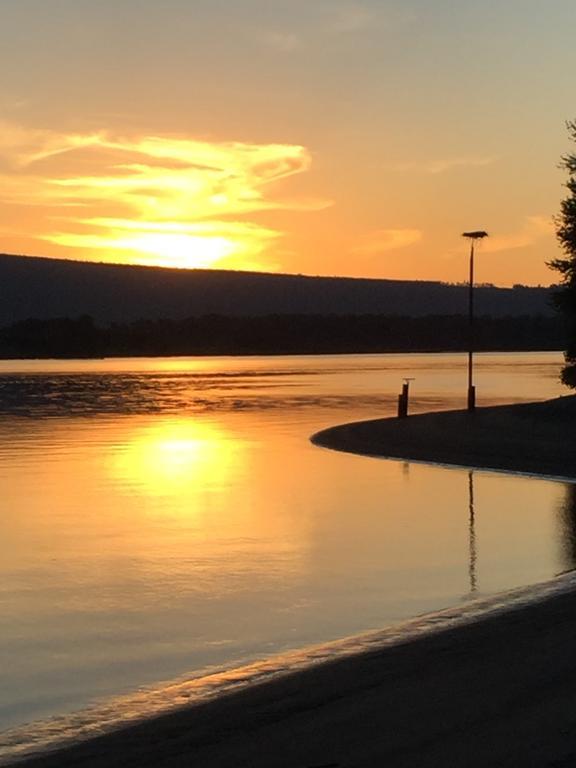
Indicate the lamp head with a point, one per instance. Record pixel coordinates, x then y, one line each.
476 235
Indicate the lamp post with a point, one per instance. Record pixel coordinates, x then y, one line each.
472 236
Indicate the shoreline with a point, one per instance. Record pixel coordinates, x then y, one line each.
536 439
370 680
490 682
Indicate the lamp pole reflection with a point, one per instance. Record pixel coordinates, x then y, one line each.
472 236
472 551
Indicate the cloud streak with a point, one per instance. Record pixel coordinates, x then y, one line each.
385 240
330 24
535 228
352 18
447 164
151 194
280 41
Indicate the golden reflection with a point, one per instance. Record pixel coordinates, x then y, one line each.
165 459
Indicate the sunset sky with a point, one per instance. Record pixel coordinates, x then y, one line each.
321 137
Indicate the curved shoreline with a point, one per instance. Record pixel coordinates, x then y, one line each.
397 696
529 438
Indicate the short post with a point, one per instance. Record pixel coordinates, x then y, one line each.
403 399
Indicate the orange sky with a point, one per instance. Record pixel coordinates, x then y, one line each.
333 138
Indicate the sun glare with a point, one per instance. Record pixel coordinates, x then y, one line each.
174 250
173 244
165 459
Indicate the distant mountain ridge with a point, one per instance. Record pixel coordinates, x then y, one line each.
33 287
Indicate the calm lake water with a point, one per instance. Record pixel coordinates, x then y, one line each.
161 516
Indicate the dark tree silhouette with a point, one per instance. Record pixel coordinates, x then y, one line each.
276 334
565 297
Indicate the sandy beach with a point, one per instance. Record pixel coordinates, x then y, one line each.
496 692
536 438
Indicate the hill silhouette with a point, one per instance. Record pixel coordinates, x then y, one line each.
32 287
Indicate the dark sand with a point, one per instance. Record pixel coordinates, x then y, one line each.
498 692
537 438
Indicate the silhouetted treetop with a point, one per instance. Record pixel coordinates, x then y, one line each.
565 298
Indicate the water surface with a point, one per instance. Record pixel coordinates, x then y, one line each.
165 516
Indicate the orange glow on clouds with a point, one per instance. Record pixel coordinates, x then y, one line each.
152 200
181 202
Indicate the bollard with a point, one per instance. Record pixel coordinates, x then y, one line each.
403 402
402 409
403 399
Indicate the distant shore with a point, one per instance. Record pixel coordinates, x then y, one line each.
534 438
275 334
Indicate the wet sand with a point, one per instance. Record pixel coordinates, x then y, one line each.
495 692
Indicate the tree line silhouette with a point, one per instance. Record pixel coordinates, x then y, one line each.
81 337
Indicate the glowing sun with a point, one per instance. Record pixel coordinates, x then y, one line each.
173 250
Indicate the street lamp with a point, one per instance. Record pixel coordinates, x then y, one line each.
472 236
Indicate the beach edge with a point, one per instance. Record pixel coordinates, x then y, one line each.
534 438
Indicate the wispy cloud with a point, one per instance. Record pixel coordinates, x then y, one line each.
333 20
447 164
534 229
277 40
352 18
10 104
385 240
151 194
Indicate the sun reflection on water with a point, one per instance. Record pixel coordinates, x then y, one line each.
167 458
